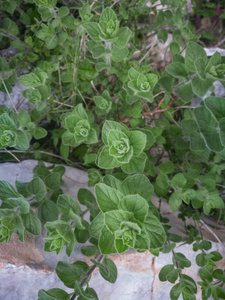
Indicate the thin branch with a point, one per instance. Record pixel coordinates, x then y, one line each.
14 38
114 3
220 43
88 274
14 107
10 152
42 152
156 95
82 98
150 113
147 53
60 82
63 103
213 233
94 87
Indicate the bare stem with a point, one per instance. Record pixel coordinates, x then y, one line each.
13 155
14 107
63 103
213 233
88 274
43 152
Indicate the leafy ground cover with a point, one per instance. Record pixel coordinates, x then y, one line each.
100 104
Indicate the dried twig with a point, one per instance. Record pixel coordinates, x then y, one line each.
14 107
63 103
10 152
42 152
94 88
213 233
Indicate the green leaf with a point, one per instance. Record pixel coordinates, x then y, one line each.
37 188
7 190
162 35
155 231
65 203
40 133
86 197
177 70
201 259
114 218
137 184
9 6
189 127
10 27
22 188
64 151
200 86
119 54
89 294
173 275
175 200
107 198
166 167
123 35
162 181
56 294
135 165
53 181
31 222
197 143
97 225
111 125
106 242
63 11
23 117
205 275
174 48
137 140
193 52
112 182
216 105
178 180
185 92
108 270
69 273
89 250
30 80
200 66
105 160
214 60
93 30
20 202
22 142
182 261
176 291
133 74
135 204
165 271
48 211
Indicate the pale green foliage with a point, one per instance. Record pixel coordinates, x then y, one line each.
99 100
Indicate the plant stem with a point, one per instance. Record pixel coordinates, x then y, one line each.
14 107
43 152
87 275
213 233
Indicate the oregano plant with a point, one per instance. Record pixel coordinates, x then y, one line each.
99 101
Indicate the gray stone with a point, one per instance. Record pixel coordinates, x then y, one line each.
211 51
17 98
